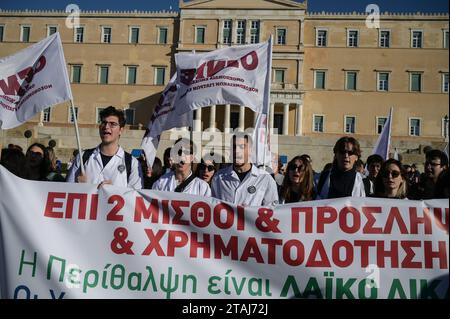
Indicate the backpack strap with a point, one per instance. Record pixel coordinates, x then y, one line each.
87 154
128 159
180 188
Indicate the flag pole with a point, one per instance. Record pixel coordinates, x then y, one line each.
268 84
77 134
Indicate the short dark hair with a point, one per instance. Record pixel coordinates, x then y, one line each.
437 154
374 158
340 145
112 111
243 135
186 141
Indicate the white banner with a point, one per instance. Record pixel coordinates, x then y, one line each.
383 144
74 241
238 75
164 117
32 80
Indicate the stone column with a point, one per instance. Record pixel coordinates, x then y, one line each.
241 118
212 117
198 120
226 125
299 111
286 119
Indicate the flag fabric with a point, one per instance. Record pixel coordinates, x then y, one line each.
238 75
384 140
164 118
261 142
396 156
31 80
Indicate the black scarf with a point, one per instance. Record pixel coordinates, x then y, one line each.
341 183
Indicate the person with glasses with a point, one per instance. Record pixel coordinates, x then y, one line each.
206 170
436 162
374 163
108 163
181 179
298 183
342 180
37 163
243 183
391 181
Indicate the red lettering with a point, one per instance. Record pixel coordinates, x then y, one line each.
441 254
322 219
214 67
318 249
295 225
177 239
348 260
368 227
201 214
416 220
254 61
140 211
94 207
221 249
82 199
271 248
154 242
300 255
383 253
394 215
196 245
251 250
408 262
52 204
13 86
113 214
438 218
343 220
176 205
241 218
365 244
229 216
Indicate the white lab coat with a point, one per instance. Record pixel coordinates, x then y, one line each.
96 173
168 183
357 191
257 189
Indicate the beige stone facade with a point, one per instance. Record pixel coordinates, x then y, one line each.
332 75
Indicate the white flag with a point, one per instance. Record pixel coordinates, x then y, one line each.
384 140
164 118
235 75
32 80
262 154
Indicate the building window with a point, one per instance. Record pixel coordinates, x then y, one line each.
278 123
445 39
445 127
254 32
97 115
79 35
46 113
416 39
383 81
319 80
227 31
200 35
445 83
131 74
321 38
381 121
134 35
76 74
2 30
103 74
385 39
162 35
25 33
415 82
352 38
414 127
281 36
350 123
71 118
129 116
106 35
279 76
240 32
51 29
350 80
234 120
160 74
318 123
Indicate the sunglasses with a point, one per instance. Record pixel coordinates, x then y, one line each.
294 167
432 164
394 174
210 168
111 124
350 153
184 152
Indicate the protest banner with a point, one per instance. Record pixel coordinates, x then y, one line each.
75 241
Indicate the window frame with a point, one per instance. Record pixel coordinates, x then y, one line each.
166 28
47 110
314 123
127 74
443 82
411 73
72 66
380 31
284 37
412 38
376 123
22 26
52 26
75 29
102 39
445 39
2 34
387 81
230 31
197 28
348 38
238 29
346 80
130 34
317 37
324 79
275 75
410 119
100 67
345 124
155 70
77 112
258 31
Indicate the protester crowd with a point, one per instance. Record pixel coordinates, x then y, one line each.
239 182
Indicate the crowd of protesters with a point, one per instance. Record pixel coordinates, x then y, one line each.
239 182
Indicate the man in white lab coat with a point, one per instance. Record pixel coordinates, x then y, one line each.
243 183
182 179
108 163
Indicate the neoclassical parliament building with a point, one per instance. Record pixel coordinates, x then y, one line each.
333 74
